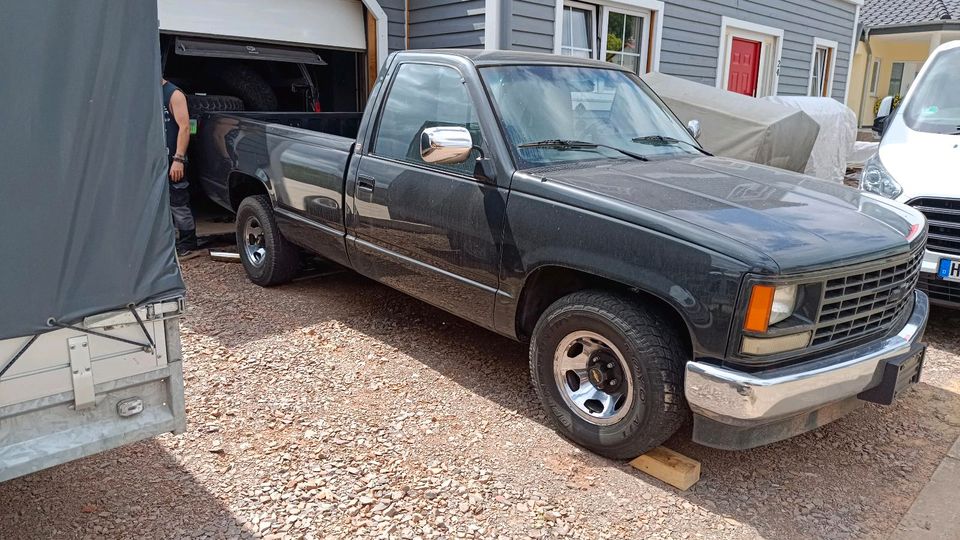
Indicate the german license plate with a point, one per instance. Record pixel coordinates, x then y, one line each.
949 269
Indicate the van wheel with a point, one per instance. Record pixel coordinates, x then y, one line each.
267 256
609 373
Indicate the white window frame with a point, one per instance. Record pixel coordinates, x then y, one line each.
592 33
771 51
832 47
875 66
644 44
653 9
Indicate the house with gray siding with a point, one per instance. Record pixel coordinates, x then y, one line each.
759 48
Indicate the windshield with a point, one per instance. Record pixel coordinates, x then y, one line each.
605 107
934 106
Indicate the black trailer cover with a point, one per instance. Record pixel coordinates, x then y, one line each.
84 213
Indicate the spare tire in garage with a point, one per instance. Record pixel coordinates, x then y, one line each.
244 82
198 104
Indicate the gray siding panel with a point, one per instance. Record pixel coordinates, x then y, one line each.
397 28
531 25
446 24
691 34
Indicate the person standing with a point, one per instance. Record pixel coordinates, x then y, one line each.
176 124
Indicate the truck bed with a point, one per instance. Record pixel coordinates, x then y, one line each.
300 159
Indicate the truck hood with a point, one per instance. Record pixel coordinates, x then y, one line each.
797 222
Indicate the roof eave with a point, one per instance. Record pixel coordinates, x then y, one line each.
912 28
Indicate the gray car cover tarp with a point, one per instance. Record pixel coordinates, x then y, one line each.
740 127
83 191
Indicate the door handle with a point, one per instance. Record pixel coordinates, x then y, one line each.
366 184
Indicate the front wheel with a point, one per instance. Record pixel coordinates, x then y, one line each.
609 373
267 256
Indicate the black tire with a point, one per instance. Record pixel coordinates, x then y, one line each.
199 104
239 80
652 352
280 260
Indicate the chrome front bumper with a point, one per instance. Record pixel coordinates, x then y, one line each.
722 397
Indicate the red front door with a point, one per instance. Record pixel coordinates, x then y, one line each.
744 67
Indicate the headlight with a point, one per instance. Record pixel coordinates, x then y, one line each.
769 305
876 179
784 302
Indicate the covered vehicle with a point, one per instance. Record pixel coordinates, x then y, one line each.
89 338
838 134
740 127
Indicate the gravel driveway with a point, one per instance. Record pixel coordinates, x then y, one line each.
335 407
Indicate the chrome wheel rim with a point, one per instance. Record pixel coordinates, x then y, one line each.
593 378
253 243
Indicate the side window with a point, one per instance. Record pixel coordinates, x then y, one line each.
424 96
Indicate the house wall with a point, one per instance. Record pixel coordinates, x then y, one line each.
691 37
691 32
397 27
438 24
531 25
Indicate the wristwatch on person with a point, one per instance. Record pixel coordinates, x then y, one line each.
180 158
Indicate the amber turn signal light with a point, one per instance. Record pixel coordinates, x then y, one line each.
758 310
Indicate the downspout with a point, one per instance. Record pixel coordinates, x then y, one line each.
382 24
866 76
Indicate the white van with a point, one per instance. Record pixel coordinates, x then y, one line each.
918 163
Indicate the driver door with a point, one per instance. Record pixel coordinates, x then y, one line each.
429 230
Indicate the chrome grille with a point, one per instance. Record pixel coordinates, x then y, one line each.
943 215
863 303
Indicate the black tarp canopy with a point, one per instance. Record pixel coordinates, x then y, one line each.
84 212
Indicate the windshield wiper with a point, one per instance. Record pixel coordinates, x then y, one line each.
660 140
566 144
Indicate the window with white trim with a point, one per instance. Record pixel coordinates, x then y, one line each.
579 30
617 34
625 38
821 68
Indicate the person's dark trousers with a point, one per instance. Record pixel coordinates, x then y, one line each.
183 216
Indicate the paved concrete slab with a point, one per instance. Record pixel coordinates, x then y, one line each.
935 515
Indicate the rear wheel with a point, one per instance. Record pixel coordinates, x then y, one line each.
609 373
267 256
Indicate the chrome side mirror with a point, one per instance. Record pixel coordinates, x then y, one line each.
445 145
693 127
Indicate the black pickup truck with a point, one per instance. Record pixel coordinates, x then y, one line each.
559 201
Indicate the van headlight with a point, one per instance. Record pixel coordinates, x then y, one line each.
876 179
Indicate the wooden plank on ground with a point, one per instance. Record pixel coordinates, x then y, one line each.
671 467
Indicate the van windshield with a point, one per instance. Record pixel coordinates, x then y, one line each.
934 106
561 114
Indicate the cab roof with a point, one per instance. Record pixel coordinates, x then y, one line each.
481 57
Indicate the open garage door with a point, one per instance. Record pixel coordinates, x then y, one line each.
335 24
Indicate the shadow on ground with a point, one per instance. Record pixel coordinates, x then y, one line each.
111 495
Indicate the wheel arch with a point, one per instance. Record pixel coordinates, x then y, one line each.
548 283
241 185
